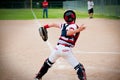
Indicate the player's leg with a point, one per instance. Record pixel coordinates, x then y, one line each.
77 66
80 71
91 13
46 12
43 12
47 64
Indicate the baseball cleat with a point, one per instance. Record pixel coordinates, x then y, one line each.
37 79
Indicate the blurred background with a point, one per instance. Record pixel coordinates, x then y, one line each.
105 7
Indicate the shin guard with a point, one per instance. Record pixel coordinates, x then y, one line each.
47 64
80 72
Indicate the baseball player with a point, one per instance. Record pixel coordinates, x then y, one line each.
90 8
45 8
69 35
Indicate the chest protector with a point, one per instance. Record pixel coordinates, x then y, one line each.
70 39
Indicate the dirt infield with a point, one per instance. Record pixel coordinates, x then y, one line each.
22 51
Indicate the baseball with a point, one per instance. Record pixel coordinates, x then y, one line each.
37 3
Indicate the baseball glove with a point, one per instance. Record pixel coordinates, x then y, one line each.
43 33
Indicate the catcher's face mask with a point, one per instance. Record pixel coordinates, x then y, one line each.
69 16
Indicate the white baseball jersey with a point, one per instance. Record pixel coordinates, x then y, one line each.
90 4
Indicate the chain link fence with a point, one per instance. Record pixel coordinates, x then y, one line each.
29 4
105 7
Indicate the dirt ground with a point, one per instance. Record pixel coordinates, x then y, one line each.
22 51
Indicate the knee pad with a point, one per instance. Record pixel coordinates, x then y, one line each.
80 72
48 62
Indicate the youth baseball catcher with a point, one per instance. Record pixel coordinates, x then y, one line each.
69 35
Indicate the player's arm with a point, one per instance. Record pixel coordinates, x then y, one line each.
52 25
71 32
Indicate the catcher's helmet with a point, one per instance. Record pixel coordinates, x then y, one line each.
69 16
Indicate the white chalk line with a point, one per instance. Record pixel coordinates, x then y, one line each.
39 25
97 52
99 68
62 66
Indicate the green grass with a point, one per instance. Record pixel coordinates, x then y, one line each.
52 13
26 14
15 14
58 13
105 16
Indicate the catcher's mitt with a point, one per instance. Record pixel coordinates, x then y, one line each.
43 33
